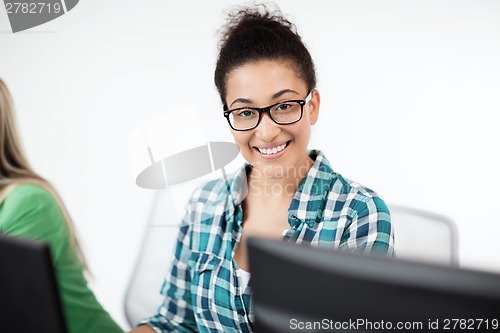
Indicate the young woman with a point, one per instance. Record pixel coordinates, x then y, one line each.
266 80
30 208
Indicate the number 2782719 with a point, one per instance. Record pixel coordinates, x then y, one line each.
32 7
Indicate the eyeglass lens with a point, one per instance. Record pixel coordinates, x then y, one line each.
283 113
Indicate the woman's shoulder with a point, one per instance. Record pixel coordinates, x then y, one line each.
359 198
217 190
28 195
353 187
28 202
209 192
347 192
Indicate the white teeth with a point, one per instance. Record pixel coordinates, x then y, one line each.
272 150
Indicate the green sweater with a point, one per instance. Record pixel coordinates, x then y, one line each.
31 212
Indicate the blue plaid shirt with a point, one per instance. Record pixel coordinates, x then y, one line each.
203 290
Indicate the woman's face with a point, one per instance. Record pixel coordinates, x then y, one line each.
261 84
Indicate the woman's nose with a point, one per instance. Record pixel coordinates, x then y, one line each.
267 129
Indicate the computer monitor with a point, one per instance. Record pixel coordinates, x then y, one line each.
298 288
29 296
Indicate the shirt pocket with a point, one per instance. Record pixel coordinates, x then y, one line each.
204 267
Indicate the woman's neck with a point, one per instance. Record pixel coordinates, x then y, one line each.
283 185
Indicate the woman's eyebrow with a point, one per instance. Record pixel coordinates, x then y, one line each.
284 91
241 100
274 96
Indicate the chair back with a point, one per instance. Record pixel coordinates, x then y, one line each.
424 236
143 296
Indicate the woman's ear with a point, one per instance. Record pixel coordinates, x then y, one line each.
313 108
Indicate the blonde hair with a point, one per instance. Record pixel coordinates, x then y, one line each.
15 169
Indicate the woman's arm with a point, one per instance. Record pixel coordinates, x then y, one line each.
370 230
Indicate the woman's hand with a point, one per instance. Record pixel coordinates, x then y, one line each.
143 329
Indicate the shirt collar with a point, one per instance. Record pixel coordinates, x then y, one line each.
239 185
308 201
311 195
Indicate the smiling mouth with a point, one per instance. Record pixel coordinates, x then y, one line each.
274 150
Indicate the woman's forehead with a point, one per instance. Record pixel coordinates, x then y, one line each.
265 79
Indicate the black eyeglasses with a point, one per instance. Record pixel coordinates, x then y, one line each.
282 113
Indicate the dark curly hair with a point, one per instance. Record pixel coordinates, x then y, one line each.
255 33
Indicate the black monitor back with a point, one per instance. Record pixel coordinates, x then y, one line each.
29 296
296 286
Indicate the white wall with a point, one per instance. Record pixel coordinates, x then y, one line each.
409 107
